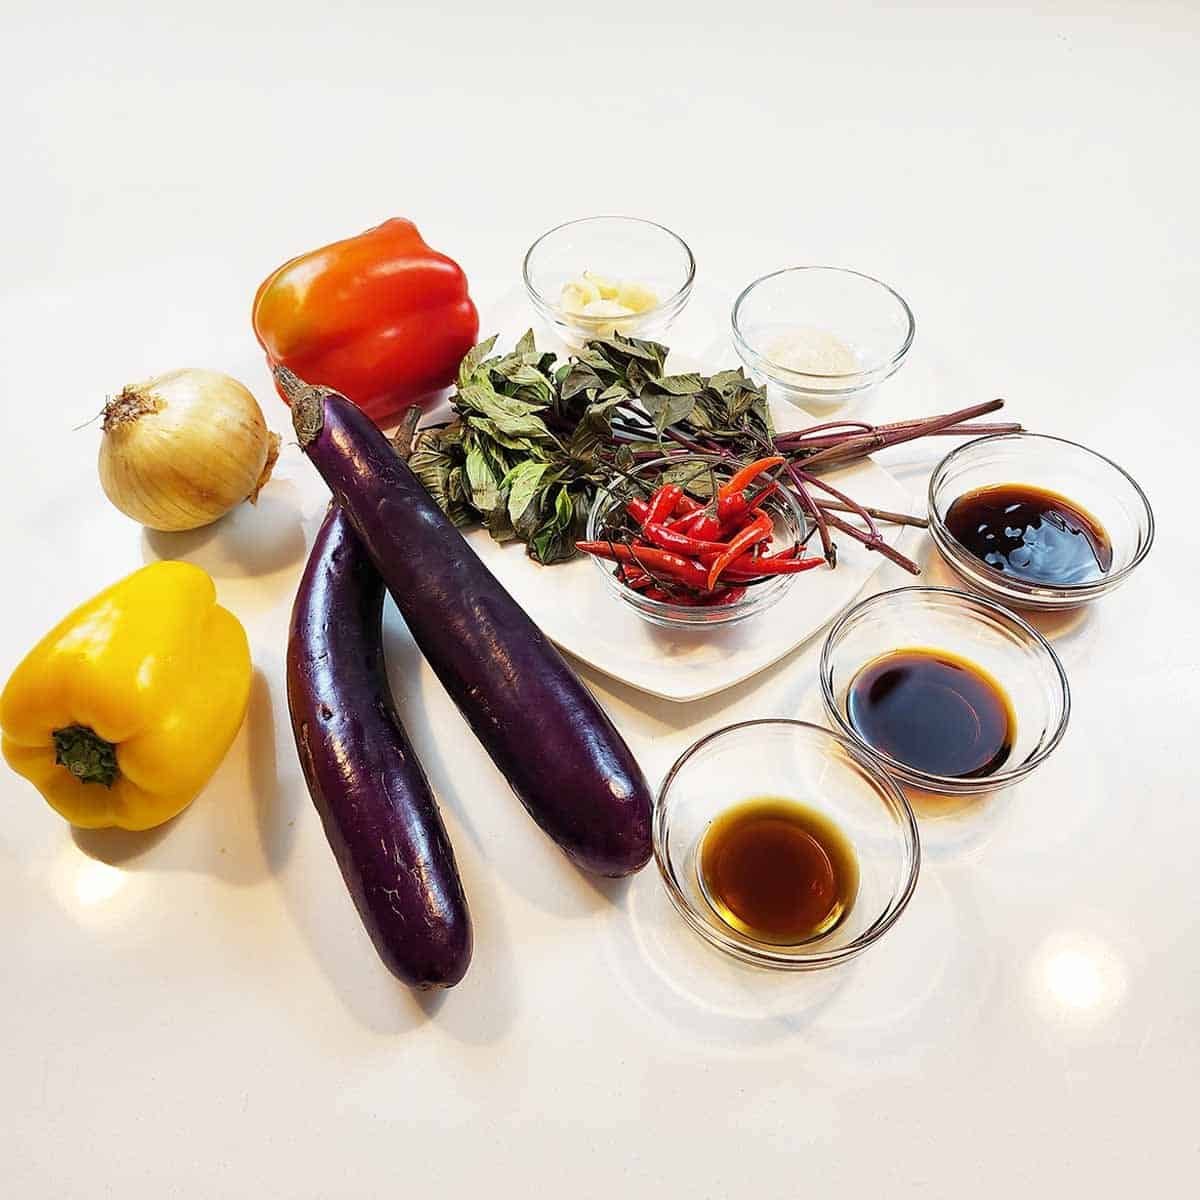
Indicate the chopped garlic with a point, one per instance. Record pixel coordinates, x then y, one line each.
596 296
607 288
623 318
606 308
578 294
636 296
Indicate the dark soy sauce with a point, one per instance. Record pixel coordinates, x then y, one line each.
1031 533
933 711
777 871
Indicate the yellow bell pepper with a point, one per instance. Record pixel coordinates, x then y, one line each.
123 711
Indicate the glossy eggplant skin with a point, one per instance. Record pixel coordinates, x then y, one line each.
374 801
543 729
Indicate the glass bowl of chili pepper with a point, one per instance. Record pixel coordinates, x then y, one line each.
695 540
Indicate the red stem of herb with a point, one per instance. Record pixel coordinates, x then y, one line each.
872 528
859 535
860 445
820 518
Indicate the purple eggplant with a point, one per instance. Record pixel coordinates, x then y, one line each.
373 798
543 729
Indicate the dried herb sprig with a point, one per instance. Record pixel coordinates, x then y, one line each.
533 440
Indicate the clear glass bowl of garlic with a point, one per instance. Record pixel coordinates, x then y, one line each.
590 277
821 336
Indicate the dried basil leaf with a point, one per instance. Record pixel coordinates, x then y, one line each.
483 485
578 378
522 483
696 478
470 363
680 385
666 409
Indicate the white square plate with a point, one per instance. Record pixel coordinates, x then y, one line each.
575 608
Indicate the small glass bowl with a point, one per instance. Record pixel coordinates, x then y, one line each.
1089 479
790 526
797 761
979 630
623 248
869 318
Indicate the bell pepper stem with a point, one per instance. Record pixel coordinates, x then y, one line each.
86 755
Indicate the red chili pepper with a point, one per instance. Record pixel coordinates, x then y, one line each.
758 530
727 596
747 568
652 560
685 504
740 480
683 523
732 508
638 509
657 593
700 523
662 503
667 538
633 577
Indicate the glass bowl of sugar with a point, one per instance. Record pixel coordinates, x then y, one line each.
821 336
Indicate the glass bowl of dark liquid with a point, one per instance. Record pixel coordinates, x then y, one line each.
1038 521
949 692
784 845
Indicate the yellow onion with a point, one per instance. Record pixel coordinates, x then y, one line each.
182 449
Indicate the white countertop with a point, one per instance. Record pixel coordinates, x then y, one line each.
198 1013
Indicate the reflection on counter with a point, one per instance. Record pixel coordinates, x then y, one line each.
1077 977
96 882
93 894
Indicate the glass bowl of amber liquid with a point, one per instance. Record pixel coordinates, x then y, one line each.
784 846
946 691
1038 522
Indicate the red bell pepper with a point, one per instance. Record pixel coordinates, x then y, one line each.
381 317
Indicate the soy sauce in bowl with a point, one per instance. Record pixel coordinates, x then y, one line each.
933 711
1032 534
778 871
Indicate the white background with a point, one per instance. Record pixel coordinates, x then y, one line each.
198 1013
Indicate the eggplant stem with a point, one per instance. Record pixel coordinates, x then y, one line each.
402 439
